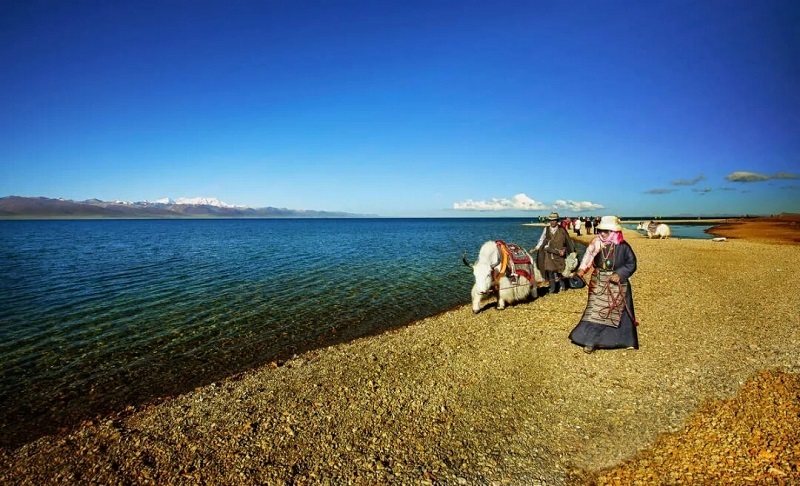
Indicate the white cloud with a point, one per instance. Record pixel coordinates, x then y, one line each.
577 206
520 201
524 203
470 205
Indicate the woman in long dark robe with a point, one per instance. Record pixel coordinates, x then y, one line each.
609 320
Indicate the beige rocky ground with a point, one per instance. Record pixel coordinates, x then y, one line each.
495 398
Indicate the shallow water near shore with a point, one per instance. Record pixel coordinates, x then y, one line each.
690 231
98 315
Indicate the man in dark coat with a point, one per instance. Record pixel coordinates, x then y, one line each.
553 246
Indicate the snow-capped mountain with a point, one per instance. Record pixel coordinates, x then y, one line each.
16 207
197 201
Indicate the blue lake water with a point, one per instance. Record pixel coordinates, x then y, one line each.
690 231
98 315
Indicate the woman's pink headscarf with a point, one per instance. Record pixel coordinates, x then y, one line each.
614 237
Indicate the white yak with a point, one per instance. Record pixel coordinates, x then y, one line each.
505 271
652 228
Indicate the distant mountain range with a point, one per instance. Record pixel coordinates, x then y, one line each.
16 207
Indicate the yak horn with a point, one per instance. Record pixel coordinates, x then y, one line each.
464 259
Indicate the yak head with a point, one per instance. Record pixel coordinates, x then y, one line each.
485 268
483 272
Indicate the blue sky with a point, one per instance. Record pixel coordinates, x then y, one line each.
406 108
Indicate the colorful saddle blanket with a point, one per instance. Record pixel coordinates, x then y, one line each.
519 260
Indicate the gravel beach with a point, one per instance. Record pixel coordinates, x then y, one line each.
499 397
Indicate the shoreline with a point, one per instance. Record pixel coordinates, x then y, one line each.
459 398
699 222
784 229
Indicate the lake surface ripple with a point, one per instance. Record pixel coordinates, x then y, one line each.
98 315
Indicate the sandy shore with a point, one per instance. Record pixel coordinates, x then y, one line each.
500 397
784 229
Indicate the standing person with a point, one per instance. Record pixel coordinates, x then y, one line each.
589 225
552 250
577 226
608 321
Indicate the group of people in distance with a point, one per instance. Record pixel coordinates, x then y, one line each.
579 223
585 222
608 321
